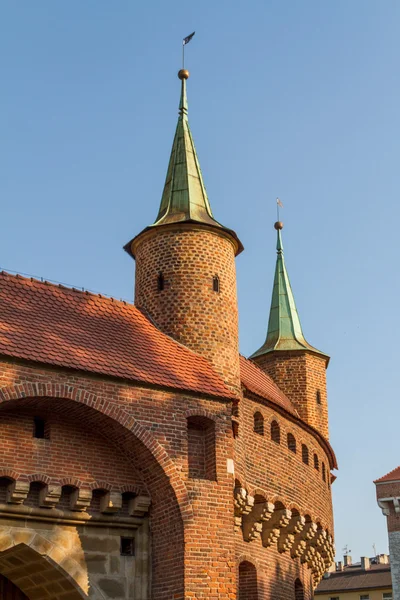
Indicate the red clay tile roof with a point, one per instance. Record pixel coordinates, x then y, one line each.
391 476
69 328
258 382
378 576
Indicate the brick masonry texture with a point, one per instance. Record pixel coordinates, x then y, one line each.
394 550
300 375
141 437
187 308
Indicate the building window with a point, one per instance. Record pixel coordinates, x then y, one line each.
258 423
387 596
318 395
127 546
323 472
41 429
316 462
275 432
216 287
333 597
364 596
201 448
291 442
304 454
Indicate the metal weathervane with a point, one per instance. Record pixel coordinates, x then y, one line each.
278 205
185 41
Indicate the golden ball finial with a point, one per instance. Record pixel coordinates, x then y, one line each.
183 74
278 225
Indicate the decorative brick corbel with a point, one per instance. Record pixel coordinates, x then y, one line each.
139 506
288 534
80 499
243 504
253 522
49 496
302 538
17 492
272 528
111 502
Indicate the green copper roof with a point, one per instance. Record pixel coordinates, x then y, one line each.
184 197
284 328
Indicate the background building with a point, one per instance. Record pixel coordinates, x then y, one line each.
142 456
369 579
388 495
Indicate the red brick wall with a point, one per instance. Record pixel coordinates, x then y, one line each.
191 519
390 489
300 375
187 308
72 452
261 463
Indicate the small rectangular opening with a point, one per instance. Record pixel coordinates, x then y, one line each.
127 546
40 429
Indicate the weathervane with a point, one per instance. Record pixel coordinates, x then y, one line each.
185 41
278 205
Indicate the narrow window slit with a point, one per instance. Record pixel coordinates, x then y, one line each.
216 286
160 282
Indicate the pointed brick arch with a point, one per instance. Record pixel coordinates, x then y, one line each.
50 390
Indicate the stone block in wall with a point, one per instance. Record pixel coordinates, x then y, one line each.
17 492
80 499
111 502
49 496
139 506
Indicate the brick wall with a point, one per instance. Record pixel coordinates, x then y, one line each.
188 309
301 376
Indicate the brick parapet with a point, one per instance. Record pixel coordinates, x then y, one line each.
278 472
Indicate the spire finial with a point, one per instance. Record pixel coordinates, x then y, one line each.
279 246
183 75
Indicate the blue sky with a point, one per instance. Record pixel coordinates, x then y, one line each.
286 98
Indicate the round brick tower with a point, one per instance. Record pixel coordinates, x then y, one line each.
297 368
185 262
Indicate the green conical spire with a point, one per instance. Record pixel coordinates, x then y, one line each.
184 197
284 328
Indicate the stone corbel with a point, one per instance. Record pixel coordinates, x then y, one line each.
111 502
288 535
17 492
139 506
384 506
272 528
308 556
243 504
80 499
49 496
253 522
396 505
302 538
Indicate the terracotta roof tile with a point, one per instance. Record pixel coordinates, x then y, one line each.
61 326
258 382
378 576
391 476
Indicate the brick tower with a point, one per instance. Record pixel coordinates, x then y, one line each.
297 368
185 262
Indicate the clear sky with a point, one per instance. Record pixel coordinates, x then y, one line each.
286 98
